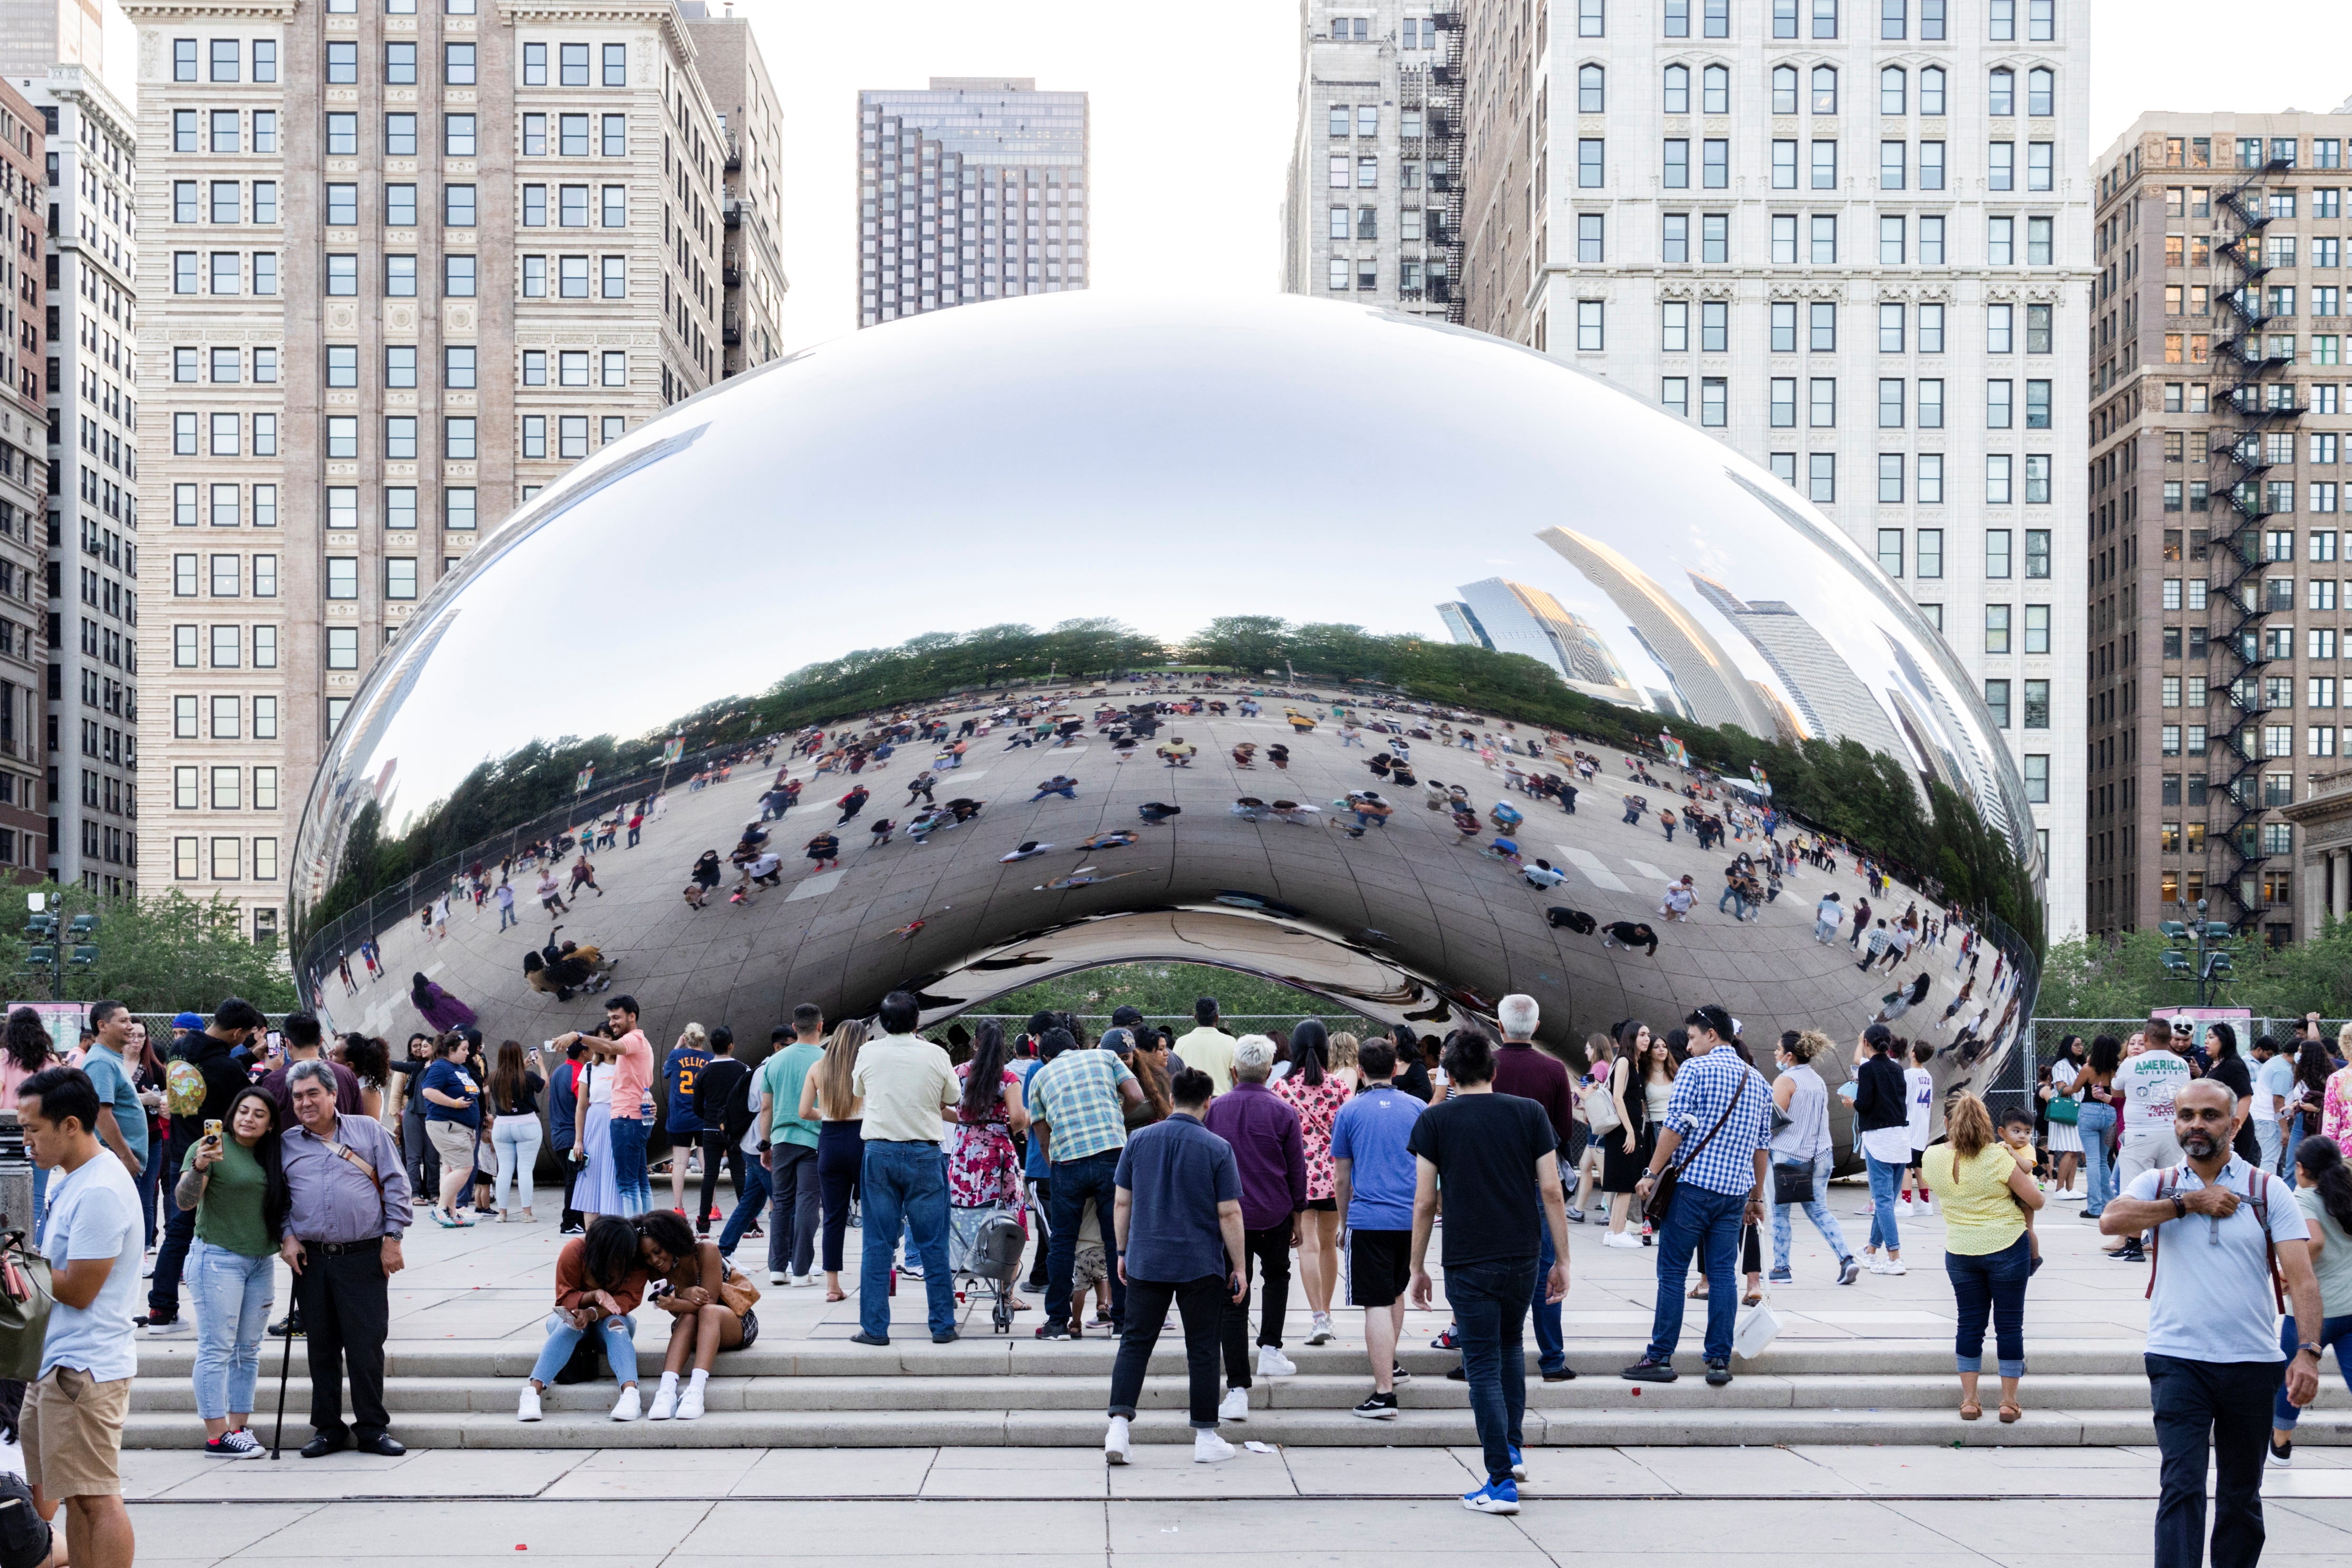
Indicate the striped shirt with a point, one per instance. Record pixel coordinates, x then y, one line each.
1703 1088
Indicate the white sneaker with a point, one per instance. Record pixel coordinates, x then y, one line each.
1272 1363
1208 1449
1320 1333
1891 1266
627 1409
527 1407
665 1402
689 1403
1116 1442
803 1281
777 1276
1619 1238
1903 1208
1235 1406
1926 1203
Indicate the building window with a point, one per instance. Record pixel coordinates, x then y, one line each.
1589 153
1890 540
1930 560
1890 485
2037 778
1996 694
2037 628
1822 477
1591 337
1996 628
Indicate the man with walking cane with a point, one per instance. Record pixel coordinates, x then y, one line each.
347 1206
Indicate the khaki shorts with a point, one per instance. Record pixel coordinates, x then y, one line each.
72 1429
453 1142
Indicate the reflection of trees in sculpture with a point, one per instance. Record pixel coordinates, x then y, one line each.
1869 799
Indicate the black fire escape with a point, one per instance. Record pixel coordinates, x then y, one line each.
1442 116
2253 407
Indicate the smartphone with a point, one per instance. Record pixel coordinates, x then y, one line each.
212 1130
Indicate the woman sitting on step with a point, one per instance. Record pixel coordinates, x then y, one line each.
710 1306
599 1281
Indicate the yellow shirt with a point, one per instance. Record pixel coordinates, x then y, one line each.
1980 1214
1212 1051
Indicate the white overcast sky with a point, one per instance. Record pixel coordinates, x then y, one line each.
1193 109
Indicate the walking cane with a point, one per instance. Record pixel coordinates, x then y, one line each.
285 1365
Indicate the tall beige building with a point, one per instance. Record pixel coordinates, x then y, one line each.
750 264
401 266
37 34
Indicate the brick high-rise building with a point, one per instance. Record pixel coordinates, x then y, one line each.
751 266
24 620
974 188
1364 215
399 268
1852 240
92 522
2221 598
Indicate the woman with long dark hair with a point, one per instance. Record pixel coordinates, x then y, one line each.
600 1278
2323 1190
441 1010
370 1060
984 1168
26 1048
416 1151
515 1087
2096 1121
236 1185
710 1303
1312 1089
2228 1068
2304 1104
453 1114
1643 1074
2066 1135
826 1097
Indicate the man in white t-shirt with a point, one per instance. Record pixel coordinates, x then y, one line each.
2147 1084
2213 1349
93 1238
2273 1085
1919 1108
1209 1047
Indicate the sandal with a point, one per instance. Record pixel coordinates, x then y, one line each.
1971 1411
836 1295
1698 1291
1753 1299
2010 1412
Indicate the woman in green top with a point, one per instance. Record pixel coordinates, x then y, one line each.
1985 1194
2323 1190
234 1181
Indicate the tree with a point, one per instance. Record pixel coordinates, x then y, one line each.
159 954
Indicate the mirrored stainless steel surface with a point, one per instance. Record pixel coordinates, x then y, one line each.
1161 465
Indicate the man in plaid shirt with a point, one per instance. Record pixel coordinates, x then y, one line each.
1077 1104
1722 1108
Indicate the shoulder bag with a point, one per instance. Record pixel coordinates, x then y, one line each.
1661 1198
1601 1109
24 1301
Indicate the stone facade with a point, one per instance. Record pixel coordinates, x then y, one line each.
25 623
751 266
489 244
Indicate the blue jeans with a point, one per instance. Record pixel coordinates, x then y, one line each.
1817 1209
506 916
750 1204
620 1349
2094 1122
904 1184
627 1137
1551 1353
1073 1185
1885 1181
1489 1304
1989 1283
2335 1331
231 1294
1699 1215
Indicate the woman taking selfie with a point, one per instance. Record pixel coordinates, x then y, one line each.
234 1181
710 1306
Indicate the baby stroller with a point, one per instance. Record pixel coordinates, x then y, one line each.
985 1250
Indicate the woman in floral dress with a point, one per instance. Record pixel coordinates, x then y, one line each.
1311 1088
984 1168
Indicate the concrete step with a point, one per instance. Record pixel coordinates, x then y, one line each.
1305 1393
1685 1425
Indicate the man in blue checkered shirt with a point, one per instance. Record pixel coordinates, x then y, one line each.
1722 1108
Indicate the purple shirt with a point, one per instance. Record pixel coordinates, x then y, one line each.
330 1199
1267 1147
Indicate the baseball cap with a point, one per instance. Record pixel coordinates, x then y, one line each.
187 1021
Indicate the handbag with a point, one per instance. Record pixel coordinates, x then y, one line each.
1792 1182
1753 1331
24 1301
1600 1110
1661 1198
738 1294
2065 1109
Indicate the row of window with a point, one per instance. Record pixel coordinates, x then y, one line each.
227 714
2277 642
1820 240
2277 740
1792 93
227 645
1789 18
2277 497
2276 251
2000 473
221 506
2197 201
2278 691
2033 706
1999 562
229 791
223 575
2277 299
227 865
1811 326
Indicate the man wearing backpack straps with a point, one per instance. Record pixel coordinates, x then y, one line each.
2225 1235
201 1079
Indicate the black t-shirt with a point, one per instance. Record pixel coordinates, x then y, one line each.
528 1105
2231 1070
719 1098
1486 1147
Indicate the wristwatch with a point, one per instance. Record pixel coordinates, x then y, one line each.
2312 1348
2180 1207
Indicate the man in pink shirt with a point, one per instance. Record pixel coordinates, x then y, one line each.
633 1103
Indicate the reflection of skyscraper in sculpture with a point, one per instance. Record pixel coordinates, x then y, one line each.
1710 686
1966 770
1833 701
1511 617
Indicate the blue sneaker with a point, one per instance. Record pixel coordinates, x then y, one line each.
1494 1497
1519 1466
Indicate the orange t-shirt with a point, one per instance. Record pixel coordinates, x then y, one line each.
633 1075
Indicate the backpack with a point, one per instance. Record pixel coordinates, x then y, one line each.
2258 1194
184 1088
24 1301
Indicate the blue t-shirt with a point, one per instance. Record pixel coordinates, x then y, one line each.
94 1211
116 1090
1373 1130
1035 1166
683 1066
445 1077
1179 1171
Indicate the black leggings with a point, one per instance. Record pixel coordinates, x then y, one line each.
840 1154
716 1147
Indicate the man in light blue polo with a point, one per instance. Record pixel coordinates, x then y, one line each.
1375 1177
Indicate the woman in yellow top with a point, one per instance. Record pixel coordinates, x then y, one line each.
1985 1195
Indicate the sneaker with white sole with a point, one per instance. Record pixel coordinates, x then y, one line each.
1889 1266
777 1276
1621 1238
629 1409
1926 1203
1379 1406
1208 1449
1903 1208
803 1281
243 1445
1272 1363
689 1403
1235 1406
527 1406
1116 1442
1320 1332
1494 1497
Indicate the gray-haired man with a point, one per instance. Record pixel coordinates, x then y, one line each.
347 1206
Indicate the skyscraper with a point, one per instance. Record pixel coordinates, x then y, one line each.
91 525
399 268
751 266
974 188
27 779
37 34
1832 700
1708 685
1512 617
1364 212
1852 240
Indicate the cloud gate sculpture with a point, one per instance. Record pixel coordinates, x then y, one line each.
1248 562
